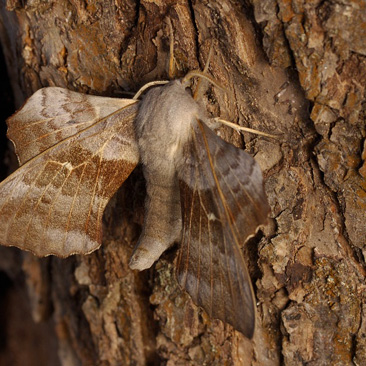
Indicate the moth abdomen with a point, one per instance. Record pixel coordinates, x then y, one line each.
162 223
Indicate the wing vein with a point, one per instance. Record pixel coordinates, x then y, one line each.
61 167
250 198
92 198
70 213
50 210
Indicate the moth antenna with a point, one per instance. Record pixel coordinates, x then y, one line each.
208 58
149 85
171 70
197 92
246 129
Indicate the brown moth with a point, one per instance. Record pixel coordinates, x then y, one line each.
76 150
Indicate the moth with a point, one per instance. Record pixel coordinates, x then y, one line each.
76 150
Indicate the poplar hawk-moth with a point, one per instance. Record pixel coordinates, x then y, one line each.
76 150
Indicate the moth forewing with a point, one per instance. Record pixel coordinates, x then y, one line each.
53 204
223 203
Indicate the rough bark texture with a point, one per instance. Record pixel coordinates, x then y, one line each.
296 69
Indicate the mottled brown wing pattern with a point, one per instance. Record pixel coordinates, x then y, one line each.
54 203
53 114
223 203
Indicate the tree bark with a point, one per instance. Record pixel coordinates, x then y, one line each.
294 69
